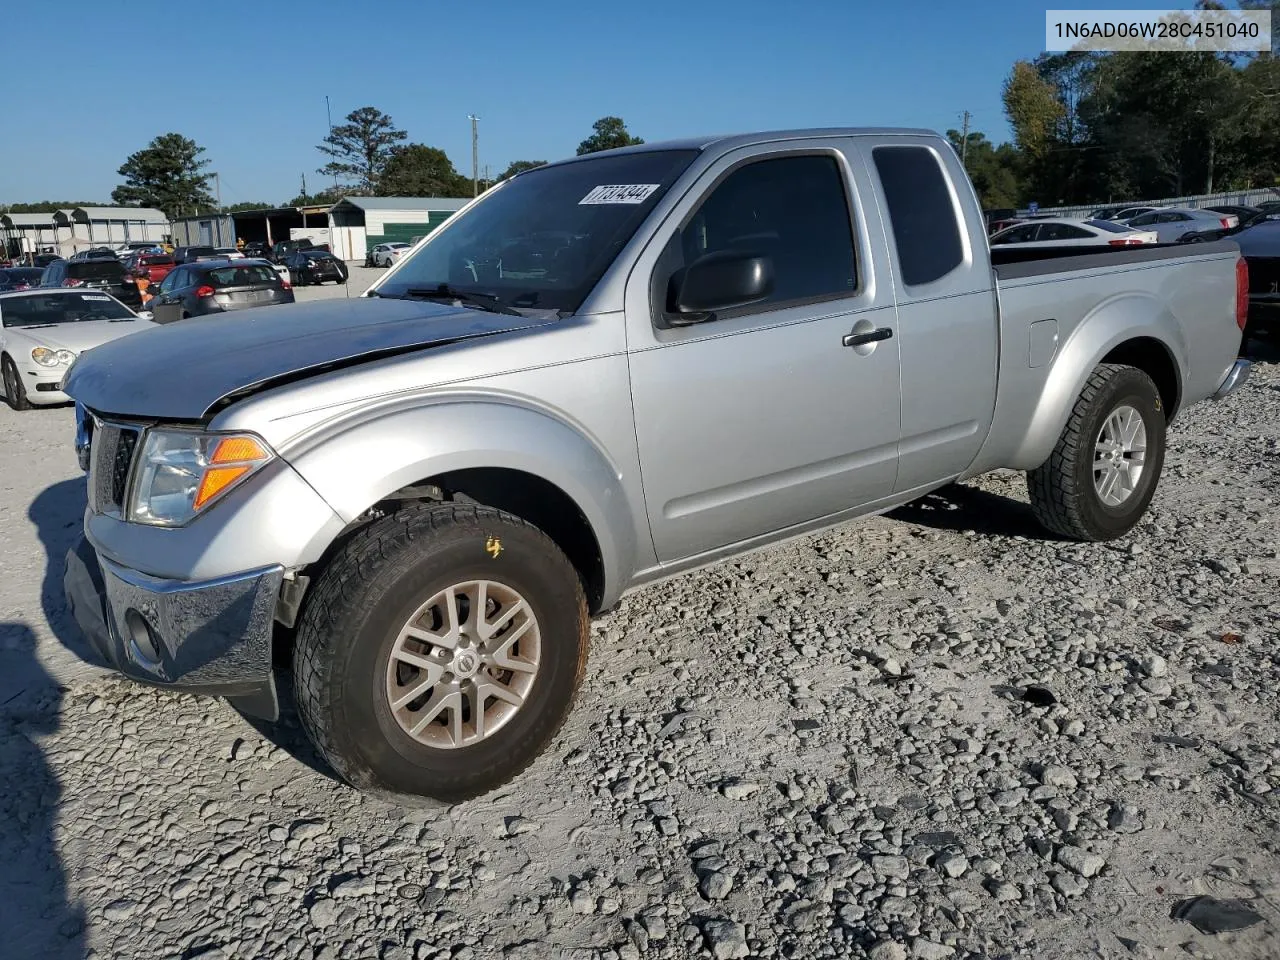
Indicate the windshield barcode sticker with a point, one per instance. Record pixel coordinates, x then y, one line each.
94 296
619 193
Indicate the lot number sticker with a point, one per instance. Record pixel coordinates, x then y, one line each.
619 193
95 296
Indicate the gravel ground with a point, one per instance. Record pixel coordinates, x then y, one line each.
931 735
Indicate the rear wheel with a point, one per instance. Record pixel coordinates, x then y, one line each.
1102 474
440 650
15 393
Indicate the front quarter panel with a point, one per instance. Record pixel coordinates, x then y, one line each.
382 450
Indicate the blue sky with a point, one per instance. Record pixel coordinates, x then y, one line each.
248 81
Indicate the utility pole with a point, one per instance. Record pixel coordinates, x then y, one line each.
475 156
964 139
217 180
304 188
329 117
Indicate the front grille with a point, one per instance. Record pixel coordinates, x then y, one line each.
111 459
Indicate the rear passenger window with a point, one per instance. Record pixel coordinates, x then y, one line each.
790 209
925 229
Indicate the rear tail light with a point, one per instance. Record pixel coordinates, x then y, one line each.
1242 292
1226 224
72 282
1125 242
204 291
284 284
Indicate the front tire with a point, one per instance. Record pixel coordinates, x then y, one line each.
15 392
1102 474
439 651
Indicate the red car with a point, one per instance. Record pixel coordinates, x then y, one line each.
154 266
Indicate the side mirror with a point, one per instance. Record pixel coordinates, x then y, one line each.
146 315
718 281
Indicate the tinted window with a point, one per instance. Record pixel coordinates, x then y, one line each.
97 270
241 276
1108 225
1062 231
1174 218
60 308
544 239
1017 234
792 210
925 231
1143 221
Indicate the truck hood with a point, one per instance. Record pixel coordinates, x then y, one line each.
186 370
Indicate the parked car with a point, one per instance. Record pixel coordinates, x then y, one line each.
1170 223
43 331
1128 213
1065 232
382 253
689 352
315 266
95 253
1110 213
1269 206
19 278
257 250
42 260
285 249
1260 245
218 286
1220 232
190 254
154 266
228 253
1240 211
106 274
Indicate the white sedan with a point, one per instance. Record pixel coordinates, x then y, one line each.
385 254
43 330
1170 223
1064 232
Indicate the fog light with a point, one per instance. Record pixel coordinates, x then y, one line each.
142 638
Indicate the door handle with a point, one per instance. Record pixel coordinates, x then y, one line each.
871 336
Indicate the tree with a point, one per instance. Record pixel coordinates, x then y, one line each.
520 166
326 197
416 170
993 170
247 205
48 206
361 148
166 175
1032 106
610 132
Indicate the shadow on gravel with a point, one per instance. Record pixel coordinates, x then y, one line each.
958 507
58 513
35 916
1263 351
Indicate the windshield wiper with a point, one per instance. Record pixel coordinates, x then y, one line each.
37 326
485 301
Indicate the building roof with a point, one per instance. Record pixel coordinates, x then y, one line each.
449 204
149 214
28 219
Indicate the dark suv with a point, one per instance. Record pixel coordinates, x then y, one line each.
215 286
104 273
315 266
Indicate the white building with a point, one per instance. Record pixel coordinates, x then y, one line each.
65 232
357 224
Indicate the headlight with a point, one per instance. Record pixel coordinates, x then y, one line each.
51 358
180 473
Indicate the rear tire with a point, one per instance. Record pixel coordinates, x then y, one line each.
15 392
364 643
1102 474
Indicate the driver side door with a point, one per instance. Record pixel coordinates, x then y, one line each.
764 417
166 307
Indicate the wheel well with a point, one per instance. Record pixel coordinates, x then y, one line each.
1153 358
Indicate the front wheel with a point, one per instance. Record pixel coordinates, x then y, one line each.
440 650
15 392
1102 474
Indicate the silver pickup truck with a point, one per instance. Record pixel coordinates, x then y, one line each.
603 372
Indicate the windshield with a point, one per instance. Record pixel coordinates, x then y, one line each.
545 238
44 308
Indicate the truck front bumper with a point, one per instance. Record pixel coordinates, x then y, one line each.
209 636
